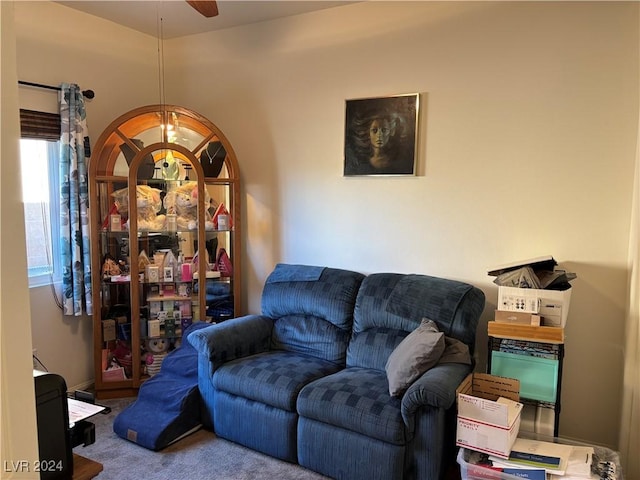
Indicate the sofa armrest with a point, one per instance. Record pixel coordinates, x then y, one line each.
435 388
235 338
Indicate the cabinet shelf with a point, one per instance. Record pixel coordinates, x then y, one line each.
152 233
135 157
171 298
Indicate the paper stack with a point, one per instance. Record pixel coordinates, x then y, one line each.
535 454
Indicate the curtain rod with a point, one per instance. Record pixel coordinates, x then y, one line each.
87 93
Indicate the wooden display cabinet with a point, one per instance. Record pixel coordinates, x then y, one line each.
152 258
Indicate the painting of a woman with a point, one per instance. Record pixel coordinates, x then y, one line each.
380 136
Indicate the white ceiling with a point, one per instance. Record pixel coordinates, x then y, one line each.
180 19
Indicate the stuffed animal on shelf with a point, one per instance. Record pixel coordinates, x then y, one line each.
183 202
149 204
156 350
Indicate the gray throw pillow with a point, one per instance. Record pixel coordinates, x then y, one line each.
417 353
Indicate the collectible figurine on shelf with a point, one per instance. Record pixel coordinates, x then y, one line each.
183 202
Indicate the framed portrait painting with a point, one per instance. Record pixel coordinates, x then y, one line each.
381 135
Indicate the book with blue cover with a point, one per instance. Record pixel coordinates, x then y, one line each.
527 458
529 473
552 457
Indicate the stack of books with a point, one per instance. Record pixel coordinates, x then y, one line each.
536 457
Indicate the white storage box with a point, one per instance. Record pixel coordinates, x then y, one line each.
488 413
551 305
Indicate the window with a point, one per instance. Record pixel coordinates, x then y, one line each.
39 164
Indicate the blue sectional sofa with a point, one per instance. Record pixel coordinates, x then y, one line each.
310 379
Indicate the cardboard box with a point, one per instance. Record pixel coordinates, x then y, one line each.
551 305
488 413
108 330
153 327
115 222
520 318
153 273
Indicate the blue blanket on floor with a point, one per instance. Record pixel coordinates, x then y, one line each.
168 404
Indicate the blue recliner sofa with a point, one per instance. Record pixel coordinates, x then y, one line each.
307 381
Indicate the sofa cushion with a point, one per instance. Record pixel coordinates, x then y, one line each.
371 348
417 353
326 293
417 296
393 302
310 335
274 378
355 399
312 308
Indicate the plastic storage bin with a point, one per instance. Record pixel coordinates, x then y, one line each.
470 471
538 376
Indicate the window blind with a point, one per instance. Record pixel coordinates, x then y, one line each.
39 125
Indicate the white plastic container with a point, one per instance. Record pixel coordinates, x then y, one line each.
471 471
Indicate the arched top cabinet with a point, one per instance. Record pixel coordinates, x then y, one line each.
170 258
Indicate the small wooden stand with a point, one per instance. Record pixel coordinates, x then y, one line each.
526 332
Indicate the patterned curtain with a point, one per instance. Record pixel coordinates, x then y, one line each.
74 202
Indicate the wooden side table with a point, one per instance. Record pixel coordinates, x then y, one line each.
84 468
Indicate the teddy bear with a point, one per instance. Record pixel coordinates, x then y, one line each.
183 202
148 203
156 350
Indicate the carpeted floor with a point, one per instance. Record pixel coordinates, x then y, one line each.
201 455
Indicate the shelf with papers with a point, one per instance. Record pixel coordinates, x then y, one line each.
538 365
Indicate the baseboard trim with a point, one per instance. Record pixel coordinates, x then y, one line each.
81 386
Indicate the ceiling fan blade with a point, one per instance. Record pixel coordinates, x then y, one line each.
208 8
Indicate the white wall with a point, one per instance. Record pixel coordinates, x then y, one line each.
527 138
